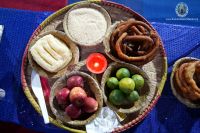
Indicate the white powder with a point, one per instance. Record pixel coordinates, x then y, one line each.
86 25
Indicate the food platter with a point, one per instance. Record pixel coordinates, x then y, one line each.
155 69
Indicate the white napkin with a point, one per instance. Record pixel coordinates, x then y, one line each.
105 122
1 31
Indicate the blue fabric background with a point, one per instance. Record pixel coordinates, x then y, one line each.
169 115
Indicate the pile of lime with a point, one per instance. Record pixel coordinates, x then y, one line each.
124 87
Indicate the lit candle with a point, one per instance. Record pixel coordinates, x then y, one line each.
96 63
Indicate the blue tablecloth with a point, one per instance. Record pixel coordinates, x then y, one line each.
169 115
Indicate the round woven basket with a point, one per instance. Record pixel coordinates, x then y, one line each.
93 88
86 5
144 92
60 35
183 100
156 69
108 50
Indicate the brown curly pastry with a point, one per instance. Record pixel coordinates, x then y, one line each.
187 86
189 73
134 41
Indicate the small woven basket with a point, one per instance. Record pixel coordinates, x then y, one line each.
143 92
183 100
113 57
86 5
92 87
60 35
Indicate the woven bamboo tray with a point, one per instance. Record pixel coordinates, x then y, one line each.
156 70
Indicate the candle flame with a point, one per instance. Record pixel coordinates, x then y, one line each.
96 64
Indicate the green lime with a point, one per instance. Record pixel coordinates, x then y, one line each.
134 96
139 81
116 97
126 85
123 73
112 83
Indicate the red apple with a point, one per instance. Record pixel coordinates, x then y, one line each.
62 96
75 81
90 105
73 111
77 96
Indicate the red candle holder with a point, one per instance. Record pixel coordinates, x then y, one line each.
96 63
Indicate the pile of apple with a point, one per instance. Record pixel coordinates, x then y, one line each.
73 98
